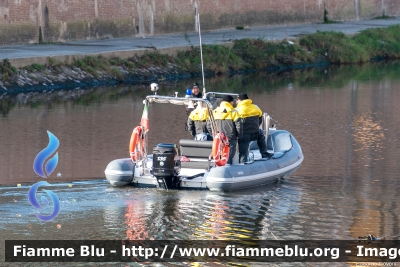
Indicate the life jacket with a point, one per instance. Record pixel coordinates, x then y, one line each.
228 120
246 109
251 116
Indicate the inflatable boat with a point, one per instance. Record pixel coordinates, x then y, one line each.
193 164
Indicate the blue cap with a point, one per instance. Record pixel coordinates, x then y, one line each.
189 91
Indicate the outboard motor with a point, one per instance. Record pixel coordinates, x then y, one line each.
165 167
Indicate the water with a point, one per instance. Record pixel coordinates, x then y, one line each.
346 120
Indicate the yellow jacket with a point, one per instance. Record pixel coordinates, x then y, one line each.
246 109
227 120
251 116
197 121
199 114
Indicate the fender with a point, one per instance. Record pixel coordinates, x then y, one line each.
220 149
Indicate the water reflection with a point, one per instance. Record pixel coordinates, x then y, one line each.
199 215
314 78
136 225
94 125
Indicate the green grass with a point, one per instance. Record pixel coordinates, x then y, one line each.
7 70
383 43
93 64
38 67
51 61
260 54
335 46
156 58
217 59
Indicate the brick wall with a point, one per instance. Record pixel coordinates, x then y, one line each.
62 20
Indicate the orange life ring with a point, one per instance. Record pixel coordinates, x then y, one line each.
220 149
135 137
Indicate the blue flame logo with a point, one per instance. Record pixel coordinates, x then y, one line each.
44 170
44 154
35 203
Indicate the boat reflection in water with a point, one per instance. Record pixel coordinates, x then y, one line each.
199 215
136 224
241 216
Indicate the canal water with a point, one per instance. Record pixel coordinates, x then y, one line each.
346 120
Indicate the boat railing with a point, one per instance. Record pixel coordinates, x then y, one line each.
185 101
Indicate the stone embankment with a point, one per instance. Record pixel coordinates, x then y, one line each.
69 77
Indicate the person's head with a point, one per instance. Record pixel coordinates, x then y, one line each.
242 97
229 99
195 89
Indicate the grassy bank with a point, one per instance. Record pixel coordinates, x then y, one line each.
245 55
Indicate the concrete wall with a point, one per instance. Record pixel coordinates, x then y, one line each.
21 21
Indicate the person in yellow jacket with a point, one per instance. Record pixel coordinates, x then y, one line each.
251 116
197 123
228 122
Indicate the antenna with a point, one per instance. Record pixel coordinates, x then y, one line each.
201 55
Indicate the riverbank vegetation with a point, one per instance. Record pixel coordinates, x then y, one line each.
326 78
246 55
